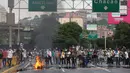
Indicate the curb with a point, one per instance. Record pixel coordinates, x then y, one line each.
10 69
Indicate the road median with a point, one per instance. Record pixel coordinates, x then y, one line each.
11 70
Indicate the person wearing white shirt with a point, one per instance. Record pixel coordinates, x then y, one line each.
24 53
10 55
117 57
49 55
126 58
100 56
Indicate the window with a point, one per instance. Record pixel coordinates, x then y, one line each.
123 2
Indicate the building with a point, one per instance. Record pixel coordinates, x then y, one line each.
25 33
73 18
101 30
2 14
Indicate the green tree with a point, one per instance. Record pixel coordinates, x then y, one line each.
100 42
122 35
84 39
68 34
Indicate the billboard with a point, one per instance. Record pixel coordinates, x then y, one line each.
117 20
128 3
124 15
91 27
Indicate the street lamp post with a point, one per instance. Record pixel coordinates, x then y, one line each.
105 39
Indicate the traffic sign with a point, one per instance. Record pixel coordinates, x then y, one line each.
42 5
92 36
105 5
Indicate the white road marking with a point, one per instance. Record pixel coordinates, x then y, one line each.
104 69
62 68
26 65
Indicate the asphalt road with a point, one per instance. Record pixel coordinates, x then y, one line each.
81 70
93 69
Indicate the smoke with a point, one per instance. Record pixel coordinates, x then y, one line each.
46 31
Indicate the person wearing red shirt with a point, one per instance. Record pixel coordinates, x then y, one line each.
5 53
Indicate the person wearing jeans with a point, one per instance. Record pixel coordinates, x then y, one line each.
117 57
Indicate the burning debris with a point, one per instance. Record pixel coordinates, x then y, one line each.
39 64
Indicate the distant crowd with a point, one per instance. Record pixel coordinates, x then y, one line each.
70 57
82 57
10 57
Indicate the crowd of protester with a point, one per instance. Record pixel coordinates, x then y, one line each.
10 56
71 57
82 57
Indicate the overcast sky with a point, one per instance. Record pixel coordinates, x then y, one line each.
24 13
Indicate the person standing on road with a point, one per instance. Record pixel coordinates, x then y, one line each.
126 58
10 55
100 57
53 57
129 57
57 53
24 53
1 56
73 56
68 58
95 57
109 58
49 55
62 57
117 56
5 54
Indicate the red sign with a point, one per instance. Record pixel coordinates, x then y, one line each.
117 20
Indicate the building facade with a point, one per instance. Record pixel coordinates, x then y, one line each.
101 30
73 18
2 14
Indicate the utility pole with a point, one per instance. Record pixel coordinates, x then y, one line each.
18 38
105 38
10 20
71 16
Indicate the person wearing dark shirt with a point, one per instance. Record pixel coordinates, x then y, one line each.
129 57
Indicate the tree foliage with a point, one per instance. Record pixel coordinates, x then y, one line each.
68 34
122 35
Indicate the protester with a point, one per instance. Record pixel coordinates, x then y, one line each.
126 58
10 55
24 53
117 57
4 60
1 56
